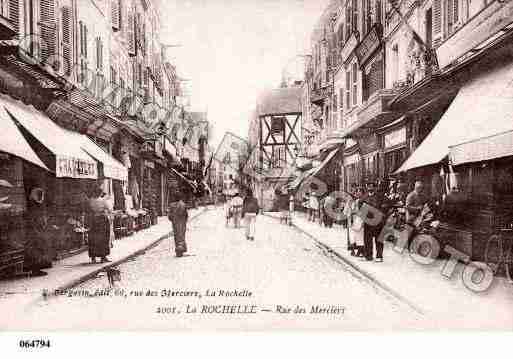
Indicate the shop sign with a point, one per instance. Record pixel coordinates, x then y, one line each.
368 45
395 138
75 168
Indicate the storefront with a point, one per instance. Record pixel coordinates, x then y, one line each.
15 156
470 152
394 144
352 169
369 150
66 190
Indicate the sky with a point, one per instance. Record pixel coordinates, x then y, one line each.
231 50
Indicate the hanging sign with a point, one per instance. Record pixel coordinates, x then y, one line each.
75 168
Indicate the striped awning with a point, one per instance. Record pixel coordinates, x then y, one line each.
13 141
70 159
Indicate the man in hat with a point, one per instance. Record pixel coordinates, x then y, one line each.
371 228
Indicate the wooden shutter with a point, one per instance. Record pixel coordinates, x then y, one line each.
115 14
131 33
47 27
67 37
456 16
437 22
83 39
14 14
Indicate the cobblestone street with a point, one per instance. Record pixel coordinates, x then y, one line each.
281 269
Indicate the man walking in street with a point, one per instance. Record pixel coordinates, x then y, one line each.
250 211
373 224
178 216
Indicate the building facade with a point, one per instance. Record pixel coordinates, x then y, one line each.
96 76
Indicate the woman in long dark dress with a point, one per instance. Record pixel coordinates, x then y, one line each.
38 250
99 227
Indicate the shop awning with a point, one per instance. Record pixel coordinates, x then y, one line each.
331 143
112 168
297 181
323 164
483 149
185 179
483 108
71 159
14 143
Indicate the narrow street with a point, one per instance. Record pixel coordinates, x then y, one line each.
281 269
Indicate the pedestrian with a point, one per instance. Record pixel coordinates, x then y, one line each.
283 205
99 236
38 251
355 224
314 206
236 209
328 210
250 211
178 216
373 224
227 209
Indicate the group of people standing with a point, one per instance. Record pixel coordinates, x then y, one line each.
246 209
363 233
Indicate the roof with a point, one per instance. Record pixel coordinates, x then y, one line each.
280 101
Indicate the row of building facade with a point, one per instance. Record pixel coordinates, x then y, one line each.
408 90
88 97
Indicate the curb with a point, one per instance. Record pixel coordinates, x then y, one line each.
356 267
86 277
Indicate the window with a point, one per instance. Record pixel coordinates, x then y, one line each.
355 84
395 62
367 21
373 78
348 89
354 9
341 98
99 53
278 156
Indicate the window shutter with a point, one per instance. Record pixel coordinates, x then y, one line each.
98 60
47 27
131 33
437 22
456 11
14 14
115 14
67 36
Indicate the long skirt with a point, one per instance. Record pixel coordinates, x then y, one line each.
356 231
99 236
250 224
179 229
